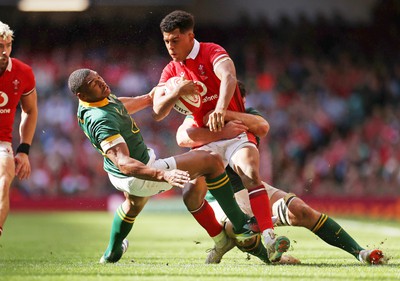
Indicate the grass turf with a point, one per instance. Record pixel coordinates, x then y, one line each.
171 246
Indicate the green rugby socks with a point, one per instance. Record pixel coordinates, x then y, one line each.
333 234
221 188
121 226
257 249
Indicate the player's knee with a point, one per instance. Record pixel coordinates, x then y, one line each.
216 160
250 176
133 205
302 213
192 199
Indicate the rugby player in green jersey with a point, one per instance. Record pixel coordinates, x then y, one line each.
286 208
132 167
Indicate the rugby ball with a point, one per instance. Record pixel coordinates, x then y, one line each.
187 104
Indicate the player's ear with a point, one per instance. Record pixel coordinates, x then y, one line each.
80 95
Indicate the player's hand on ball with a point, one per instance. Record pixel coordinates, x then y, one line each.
187 94
151 93
186 87
177 178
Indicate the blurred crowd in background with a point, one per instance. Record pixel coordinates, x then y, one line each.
329 89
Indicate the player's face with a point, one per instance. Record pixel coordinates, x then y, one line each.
5 51
178 44
94 88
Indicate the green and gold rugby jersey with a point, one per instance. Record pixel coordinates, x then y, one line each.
105 121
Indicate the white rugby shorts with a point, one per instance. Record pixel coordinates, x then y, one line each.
145 188
227 148
6 149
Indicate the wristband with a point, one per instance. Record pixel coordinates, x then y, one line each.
1 230
24 148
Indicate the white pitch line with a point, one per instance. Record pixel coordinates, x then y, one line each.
392 231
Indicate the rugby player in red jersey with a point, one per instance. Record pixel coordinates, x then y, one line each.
17 85
209 64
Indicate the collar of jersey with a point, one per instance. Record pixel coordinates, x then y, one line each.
100 103
9 66
196 48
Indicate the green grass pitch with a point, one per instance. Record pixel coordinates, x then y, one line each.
171 246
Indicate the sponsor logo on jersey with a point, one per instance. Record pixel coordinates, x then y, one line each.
210 98
182 110
3 99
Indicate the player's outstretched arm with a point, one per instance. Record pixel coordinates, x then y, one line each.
189 135
135 104
119 155
256 123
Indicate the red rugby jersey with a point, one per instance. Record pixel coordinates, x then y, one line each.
199 67
17 80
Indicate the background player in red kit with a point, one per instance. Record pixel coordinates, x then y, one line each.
17 84
210 64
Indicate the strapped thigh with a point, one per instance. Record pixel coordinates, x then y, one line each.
280 209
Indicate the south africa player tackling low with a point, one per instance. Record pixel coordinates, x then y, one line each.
130 164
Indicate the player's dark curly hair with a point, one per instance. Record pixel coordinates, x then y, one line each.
177 19
76 79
